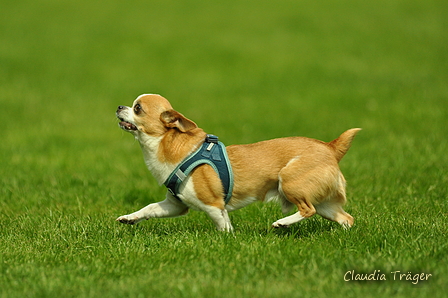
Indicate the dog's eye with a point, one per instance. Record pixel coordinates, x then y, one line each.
137 108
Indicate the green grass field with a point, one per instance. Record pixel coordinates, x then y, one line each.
245 71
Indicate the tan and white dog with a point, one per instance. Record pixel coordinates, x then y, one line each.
297 171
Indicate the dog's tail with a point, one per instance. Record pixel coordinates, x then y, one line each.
343 142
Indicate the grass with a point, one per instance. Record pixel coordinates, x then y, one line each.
245 71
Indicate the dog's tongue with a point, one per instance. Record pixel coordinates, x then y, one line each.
127 125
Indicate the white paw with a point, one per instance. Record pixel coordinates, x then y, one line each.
129 219
278 224
227 228
346 225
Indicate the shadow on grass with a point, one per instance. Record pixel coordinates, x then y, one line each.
202 228
307 229
192 224
195 222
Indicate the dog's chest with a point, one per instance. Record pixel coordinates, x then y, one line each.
160 170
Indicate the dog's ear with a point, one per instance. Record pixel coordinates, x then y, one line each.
174 119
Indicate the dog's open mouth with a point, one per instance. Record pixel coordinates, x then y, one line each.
127 126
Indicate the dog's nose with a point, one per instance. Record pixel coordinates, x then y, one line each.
120 108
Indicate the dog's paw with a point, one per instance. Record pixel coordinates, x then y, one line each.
346 225
277 225
227 228
127 219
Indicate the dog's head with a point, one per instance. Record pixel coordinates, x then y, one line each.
152 115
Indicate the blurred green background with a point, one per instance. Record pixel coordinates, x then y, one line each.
303 67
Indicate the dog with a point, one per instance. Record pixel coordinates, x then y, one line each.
296 171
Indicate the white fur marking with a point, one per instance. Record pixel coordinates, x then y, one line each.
149 146
289 220
166 208
144 95
232 206
292 160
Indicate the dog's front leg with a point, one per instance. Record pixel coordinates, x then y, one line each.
167 208
220 217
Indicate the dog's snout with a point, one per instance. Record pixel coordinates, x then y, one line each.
121 108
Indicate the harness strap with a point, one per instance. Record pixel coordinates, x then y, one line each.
213 153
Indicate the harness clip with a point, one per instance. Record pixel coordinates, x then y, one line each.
211 139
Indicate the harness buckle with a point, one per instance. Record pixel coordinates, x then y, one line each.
211 139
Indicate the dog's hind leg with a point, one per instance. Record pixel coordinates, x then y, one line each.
298 198
332 210
170 207
300 187
306 210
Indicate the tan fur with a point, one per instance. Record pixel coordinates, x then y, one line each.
175 146
209 190
298 171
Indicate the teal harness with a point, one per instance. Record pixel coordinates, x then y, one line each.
213 153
